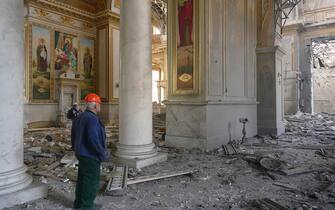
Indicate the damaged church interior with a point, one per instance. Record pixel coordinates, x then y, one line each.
206 104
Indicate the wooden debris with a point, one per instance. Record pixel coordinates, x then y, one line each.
46 155
271 204
314 147
54 165
141 179
324 153
40 129
230 149
299 170
119 179
288 186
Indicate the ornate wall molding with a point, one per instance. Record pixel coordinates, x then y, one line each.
64 8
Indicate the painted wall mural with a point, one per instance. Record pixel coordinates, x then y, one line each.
55 54
185 72
41 78
86 66
66 53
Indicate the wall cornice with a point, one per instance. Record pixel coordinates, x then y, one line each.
63 8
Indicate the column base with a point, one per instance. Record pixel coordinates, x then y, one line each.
141 162
14 180
138 156
135 151
32 192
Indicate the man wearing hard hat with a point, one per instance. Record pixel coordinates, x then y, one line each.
88 138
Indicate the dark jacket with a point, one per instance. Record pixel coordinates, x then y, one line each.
88 136
72 113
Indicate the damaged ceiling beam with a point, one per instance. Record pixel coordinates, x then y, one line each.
283 9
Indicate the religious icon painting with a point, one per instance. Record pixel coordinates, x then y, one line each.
185 45
66 53
86 63
86 66
41 81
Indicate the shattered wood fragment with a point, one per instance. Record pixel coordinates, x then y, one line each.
289 187
300 170
271 175
158 176
271 204
46 155
53 165
230 149
40 129
324 153
34 149
118 180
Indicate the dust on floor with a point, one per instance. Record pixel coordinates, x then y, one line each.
295 170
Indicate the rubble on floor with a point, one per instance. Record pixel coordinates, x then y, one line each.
292 171
316 129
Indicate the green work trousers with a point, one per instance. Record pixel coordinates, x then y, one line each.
87 183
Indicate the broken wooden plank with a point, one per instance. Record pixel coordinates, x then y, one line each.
141 179
53 165
299 170
119 179
40 129
314 147
288 186
271 204
230 149
43 155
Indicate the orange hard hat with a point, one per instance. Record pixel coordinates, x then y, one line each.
92 97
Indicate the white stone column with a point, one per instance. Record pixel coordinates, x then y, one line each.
12 169
13 177
135 103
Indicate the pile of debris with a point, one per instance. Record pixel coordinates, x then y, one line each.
320 128
159 128
48 153
50 156
292 171
323 51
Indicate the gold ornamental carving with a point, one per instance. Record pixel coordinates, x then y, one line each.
41 13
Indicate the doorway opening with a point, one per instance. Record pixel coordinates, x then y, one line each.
323 74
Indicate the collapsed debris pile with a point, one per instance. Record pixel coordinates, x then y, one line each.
48 152
292 171
49 156
323 52
318 128
159 128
